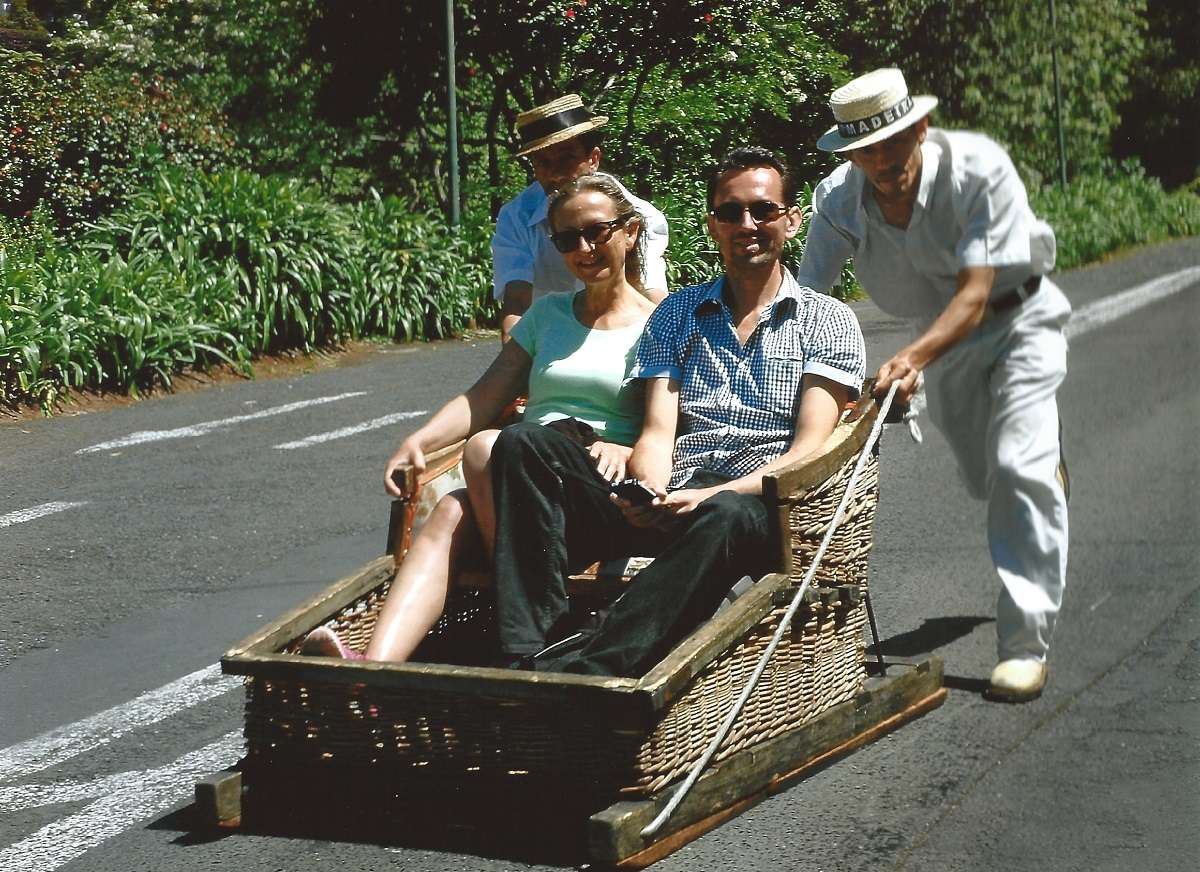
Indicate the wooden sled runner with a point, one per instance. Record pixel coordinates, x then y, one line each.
438 742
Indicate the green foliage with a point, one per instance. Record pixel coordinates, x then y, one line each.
200 268
252 63
78 141
990 64
1159 121
1118 208
21 18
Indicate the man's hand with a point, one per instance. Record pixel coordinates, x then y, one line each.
610 459
903 369
961 315
666 509
409 453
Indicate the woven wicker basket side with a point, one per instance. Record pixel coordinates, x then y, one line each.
808 517
818 664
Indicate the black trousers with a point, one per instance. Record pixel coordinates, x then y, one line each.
554 517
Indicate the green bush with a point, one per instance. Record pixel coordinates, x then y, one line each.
79 141
1122 207
201 268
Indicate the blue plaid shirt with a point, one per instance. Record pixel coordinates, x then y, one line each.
738 404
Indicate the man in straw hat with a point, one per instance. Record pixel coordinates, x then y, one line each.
939 228
562 141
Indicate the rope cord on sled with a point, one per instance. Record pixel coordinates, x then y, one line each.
701 764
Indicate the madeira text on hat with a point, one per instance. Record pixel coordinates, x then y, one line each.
554 122
871 108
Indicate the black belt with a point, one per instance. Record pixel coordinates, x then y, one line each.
1015 297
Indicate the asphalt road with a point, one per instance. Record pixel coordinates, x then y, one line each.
127 570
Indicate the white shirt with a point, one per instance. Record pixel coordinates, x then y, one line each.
971 210
522 250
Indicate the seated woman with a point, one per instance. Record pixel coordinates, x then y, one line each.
573 352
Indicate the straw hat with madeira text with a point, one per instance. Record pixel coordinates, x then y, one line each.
871 108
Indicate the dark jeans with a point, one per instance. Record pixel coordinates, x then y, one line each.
554 516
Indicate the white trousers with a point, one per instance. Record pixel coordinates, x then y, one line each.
993 397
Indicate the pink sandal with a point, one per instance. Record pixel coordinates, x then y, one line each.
323 642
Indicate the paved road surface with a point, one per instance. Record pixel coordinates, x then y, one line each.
137 544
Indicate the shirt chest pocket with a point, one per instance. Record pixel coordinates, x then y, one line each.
783 372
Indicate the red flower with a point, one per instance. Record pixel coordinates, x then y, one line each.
570 13
17 131
708 17
162 127
470 71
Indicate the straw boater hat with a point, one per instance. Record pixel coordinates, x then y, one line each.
871 108
553 122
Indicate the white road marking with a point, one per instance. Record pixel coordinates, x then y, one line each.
63 743
1116 306
32 514
373 424
121 801
206 427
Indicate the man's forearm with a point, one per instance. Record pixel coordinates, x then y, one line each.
961 315
651 460
518 296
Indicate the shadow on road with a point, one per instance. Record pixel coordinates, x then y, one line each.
931 635
547 829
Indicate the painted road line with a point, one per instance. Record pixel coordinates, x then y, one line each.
121 801
206 427
1111 308
20 517
63 743
373 424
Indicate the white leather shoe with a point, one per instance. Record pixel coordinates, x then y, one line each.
1017 680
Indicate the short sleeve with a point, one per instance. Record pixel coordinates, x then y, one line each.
512 256
658 349
996 219
825 252
526 331
835 347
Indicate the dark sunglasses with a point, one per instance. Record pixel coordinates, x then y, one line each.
568 240
760 210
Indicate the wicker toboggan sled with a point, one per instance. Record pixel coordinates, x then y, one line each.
430 743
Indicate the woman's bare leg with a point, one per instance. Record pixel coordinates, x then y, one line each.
417 596
477 471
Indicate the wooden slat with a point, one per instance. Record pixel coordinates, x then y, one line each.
614 834
436 462
804 475
671 676
310 614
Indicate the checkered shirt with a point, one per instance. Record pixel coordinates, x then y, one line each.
738 404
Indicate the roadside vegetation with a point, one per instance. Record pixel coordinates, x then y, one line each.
191 184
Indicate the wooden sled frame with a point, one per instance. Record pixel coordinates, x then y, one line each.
427 725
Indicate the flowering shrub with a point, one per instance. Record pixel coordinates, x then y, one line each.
78 141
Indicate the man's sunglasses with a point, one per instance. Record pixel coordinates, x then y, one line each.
760 210
596 234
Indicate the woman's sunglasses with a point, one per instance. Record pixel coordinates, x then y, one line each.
760 210
596 234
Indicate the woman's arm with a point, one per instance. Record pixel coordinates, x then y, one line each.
469 412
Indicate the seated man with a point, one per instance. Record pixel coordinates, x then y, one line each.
752 372
561 139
